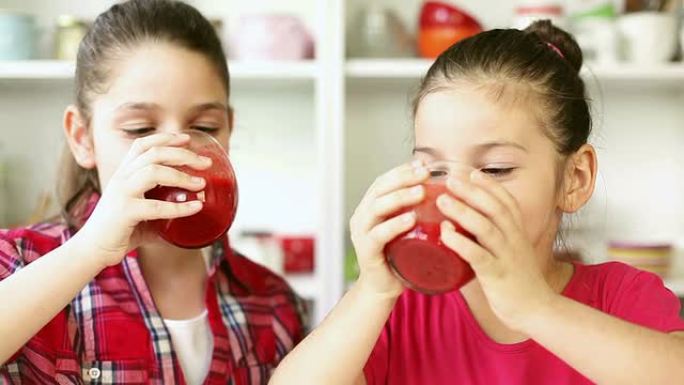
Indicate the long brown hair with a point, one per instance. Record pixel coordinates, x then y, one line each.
120 28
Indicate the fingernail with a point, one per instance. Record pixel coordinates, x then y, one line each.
417 163
420 170
417 191
195 205
408 217
206 159
197 180
443 200
447 225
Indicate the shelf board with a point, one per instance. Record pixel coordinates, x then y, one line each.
671 74
239 70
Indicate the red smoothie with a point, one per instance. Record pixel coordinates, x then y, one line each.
219 197
420 258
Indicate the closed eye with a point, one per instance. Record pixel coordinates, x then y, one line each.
497 172
139 131
207 129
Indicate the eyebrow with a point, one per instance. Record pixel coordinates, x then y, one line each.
482 147
427 150
138 106
504 143
153 106
210 106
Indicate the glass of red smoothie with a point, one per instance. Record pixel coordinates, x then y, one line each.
219 197
418 257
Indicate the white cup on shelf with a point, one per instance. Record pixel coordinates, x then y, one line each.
648 37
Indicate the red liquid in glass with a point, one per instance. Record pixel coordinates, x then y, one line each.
420 258
219 199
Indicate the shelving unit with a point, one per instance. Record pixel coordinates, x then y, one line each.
340 122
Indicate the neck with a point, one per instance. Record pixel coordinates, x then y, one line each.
165 258
176 277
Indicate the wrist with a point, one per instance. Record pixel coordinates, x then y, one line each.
542 313
80 246
366 286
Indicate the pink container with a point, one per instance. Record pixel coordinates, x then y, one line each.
271 37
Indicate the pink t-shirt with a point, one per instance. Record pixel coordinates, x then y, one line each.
436 340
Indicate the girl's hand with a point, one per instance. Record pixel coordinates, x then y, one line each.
117 224
503 258
373 225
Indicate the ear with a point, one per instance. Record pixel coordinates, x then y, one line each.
579 178
79 139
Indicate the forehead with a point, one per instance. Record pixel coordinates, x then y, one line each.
457 119
163 73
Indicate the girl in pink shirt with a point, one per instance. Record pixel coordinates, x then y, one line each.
512 105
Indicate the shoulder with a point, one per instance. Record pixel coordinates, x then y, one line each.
256 287
23 245
613 278
629 293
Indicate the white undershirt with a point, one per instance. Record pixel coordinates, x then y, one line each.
193 342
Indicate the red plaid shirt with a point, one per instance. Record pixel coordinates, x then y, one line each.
112 333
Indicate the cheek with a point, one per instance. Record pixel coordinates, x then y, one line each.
109 153
536 199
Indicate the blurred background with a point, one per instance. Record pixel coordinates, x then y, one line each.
322 90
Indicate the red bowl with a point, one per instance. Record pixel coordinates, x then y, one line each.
435 40
439 14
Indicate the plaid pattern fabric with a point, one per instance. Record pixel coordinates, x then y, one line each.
112 333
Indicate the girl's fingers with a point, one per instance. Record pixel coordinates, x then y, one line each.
482 228
141 145
487 182
484 201
170 156
406 175
390 204
150 209
469 250
153 175
386 231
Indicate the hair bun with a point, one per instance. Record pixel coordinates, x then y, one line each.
560 39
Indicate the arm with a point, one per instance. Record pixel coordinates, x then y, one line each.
629 353
605 349
31 296
336 352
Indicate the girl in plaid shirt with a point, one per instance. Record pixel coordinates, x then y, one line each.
96 296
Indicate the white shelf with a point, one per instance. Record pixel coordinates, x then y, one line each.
413 69
37 69
257 70
387 68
